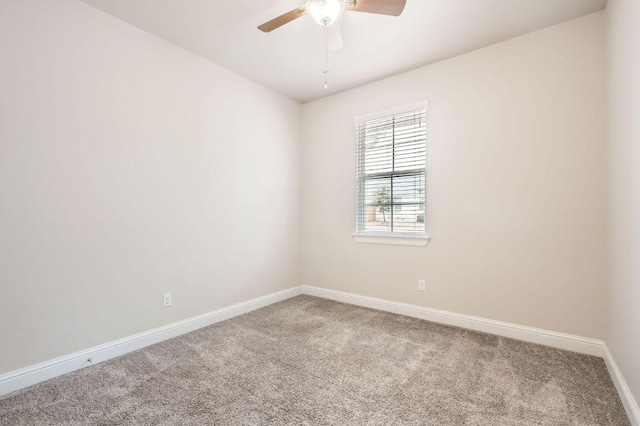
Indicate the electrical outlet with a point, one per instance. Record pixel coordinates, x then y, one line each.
422 285
166 299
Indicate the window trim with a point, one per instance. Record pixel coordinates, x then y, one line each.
416 240
405 239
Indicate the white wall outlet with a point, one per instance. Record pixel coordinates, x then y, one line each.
422 285
166 299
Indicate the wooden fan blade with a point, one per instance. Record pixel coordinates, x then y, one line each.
381 7
282 19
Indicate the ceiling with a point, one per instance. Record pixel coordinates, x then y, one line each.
291 59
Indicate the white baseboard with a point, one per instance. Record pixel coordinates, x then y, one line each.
37 373
629 402
554 339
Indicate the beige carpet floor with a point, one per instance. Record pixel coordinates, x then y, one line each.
310 361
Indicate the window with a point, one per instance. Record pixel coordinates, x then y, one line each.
391 167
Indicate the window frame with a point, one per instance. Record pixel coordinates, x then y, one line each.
419 239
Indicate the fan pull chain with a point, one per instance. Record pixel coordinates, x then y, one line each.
326 70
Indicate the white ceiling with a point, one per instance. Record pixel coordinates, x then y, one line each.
291 59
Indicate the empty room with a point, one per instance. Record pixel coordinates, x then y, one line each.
319 212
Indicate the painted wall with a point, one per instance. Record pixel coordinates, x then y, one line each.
516 185
130 168
623 17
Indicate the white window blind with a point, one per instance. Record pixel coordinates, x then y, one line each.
391 173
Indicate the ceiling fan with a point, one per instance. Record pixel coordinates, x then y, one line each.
327 12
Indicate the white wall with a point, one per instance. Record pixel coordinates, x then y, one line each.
130 168
623 18
516 185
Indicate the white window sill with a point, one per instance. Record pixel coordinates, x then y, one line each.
416 240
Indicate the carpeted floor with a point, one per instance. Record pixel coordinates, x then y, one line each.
310 361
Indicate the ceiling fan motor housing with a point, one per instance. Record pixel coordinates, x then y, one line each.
325 12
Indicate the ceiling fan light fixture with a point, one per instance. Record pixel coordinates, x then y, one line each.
325 12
